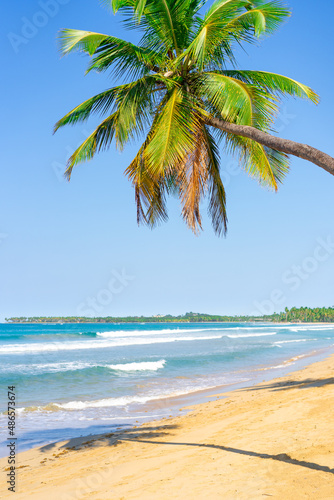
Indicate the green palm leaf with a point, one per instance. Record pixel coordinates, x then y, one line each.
236 101
264 164
232 20
110 51
149 192
172 134
99 103
274 83
77 40
191 181
217 195
180 77
99 140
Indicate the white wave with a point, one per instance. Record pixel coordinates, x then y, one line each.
299 357
127 400
97 344
20 410
100 403
31 369
253 327
138 333
103 403
303 328
289 362
274 367
145 365
292 341
250 335
137 417
292 327
142 333
286 363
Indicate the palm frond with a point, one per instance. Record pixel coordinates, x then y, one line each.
264 164
274 83
99 140
264 18
159 20
236 101
78 40
134 107
149 191
135 103
217 195
191 180
228 21
110 52
99 103
210 33
125 59
172 134
229 96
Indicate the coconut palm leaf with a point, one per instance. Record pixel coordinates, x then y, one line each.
226 22
274 83
217 195
99 140
131 101
236 101
79 40
172 134
178 81
192 174
110 53
264 164
149 192
99 103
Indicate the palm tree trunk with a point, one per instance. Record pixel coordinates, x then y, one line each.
304 151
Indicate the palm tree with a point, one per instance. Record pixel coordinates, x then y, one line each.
185 96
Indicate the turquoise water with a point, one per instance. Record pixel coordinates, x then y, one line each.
76 379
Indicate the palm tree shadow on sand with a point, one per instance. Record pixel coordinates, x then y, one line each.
292 384
149 434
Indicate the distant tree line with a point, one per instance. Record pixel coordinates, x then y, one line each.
293 315
305 314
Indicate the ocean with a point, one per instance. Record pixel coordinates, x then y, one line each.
79 379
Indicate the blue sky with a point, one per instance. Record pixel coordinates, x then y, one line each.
62 244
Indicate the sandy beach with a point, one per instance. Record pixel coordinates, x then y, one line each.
272 440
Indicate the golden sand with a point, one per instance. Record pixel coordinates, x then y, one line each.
274 440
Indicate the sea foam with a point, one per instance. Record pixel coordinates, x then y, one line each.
98 344
141 366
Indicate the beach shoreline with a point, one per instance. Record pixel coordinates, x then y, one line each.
273 439
112 384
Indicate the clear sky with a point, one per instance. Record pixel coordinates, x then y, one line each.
62 244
